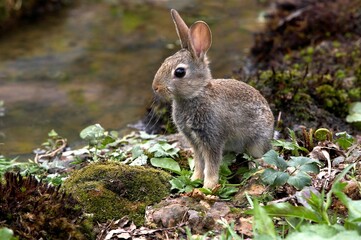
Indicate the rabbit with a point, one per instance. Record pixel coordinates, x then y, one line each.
214 115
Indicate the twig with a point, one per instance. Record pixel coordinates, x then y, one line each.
53 153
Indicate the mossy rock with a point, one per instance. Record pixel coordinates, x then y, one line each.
111 190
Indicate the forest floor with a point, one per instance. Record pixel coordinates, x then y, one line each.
307 63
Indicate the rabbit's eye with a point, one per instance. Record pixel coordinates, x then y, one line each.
180 72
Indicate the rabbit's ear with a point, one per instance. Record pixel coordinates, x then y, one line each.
201 38
182 29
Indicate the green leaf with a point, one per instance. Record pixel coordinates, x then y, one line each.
316 201
344 140
354 113
53 134
183 183
304 164
227 192
310 168
166 163
288 210
271 157
299 161
140 160
284 144
281 178
177 183
7 234
163 149
92 132
206 191
224 170
146 136
262 223
137 151
300 180
274 177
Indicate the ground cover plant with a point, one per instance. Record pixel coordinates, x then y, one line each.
307 186
292 168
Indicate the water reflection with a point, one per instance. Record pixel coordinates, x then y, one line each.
94 63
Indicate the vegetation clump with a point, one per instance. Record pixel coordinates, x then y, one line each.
112 190
35 210
309 73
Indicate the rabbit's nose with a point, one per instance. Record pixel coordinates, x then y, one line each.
155 88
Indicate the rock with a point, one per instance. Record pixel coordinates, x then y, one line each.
171 215
199 215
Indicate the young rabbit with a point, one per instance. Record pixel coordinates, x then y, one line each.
213 114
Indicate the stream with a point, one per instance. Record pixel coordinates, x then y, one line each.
94 62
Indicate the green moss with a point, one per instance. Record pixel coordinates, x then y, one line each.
111 190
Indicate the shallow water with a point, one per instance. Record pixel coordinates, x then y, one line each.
95 62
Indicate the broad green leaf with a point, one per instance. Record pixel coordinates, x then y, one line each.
274 177
163 149
176 183
183 183
284 144
7 234
281 178
299 161
353 117
344 140
146 136
288 210
140 160
262 222
224 170
312 167
92 132
271 157
137 151
300 180
354 113
166 163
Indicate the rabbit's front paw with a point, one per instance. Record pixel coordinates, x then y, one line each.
210 182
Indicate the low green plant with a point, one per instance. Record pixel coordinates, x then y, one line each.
354 115
344 140
7 234
183 182
148 149
292 146
294 171
316 209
